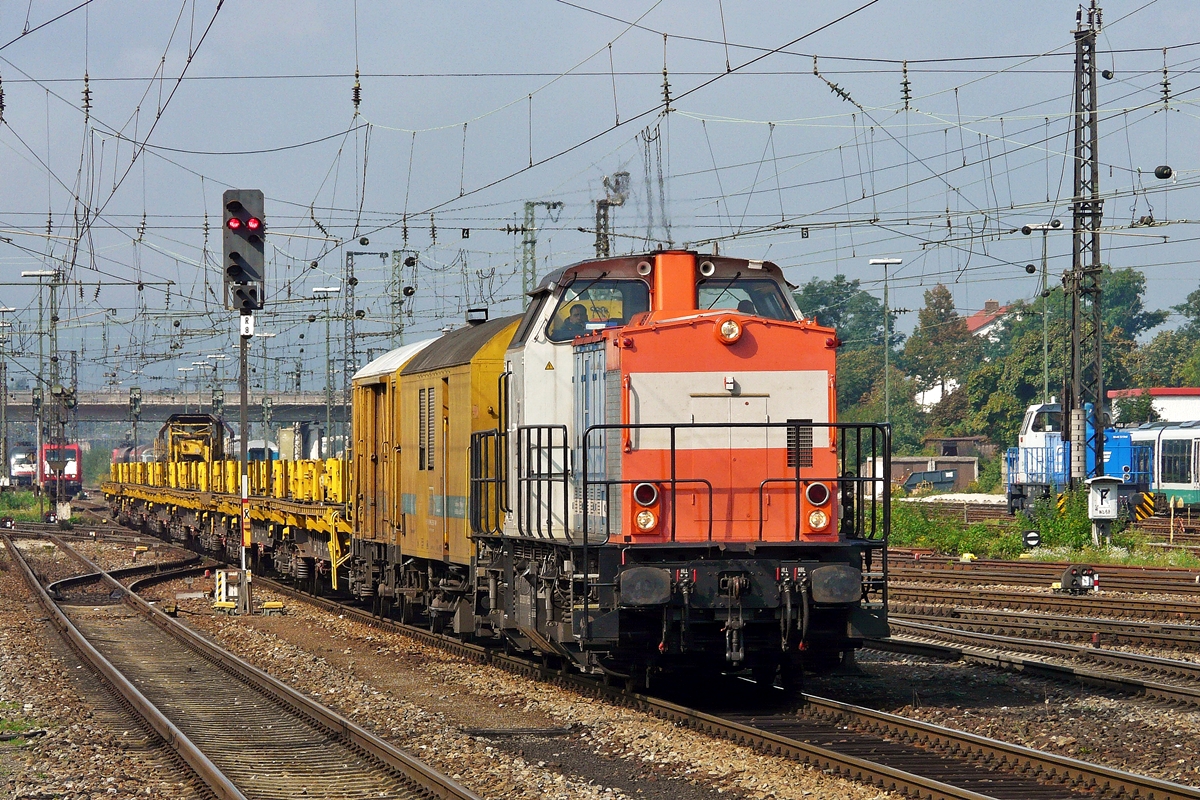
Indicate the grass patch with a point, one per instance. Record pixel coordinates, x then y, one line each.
17 500
1066 536
15 725
22 506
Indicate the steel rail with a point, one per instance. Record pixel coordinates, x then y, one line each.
432 781
1069 770
1017 757
1184 583
1001 651
125 572
204 768
991 621
1058 603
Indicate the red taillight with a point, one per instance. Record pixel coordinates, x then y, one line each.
645 494
817 494
234 223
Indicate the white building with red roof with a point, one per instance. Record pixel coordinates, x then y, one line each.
1173 404
987 322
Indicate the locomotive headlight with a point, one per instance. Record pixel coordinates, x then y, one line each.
729 331
645 520
817 519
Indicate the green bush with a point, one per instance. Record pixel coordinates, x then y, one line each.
1071 529
989 476
917 525
18 500
96 465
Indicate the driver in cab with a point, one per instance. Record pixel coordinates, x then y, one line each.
574 325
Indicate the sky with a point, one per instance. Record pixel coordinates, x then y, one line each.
469 110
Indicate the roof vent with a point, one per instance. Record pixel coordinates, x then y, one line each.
477 316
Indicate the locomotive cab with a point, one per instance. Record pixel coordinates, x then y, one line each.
676 485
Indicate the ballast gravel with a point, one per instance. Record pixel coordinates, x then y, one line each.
70 740
1074 720
501 735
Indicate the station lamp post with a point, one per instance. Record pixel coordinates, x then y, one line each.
327 292
887 336
201 366
184 376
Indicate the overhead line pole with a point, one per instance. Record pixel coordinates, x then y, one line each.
1083 385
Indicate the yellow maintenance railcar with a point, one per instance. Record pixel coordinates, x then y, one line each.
390 523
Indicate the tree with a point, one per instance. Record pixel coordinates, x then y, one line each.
1190 309
1121 302
907 418
941 348
1161 361
857 372
1135 409
854 313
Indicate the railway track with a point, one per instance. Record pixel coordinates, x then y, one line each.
229 721
885 750
1093 630
1131 673
1102 605
1041 573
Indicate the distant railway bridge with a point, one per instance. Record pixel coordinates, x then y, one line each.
100 406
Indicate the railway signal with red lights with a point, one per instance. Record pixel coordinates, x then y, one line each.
244 251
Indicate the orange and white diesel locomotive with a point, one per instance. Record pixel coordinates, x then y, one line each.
642 473
654 477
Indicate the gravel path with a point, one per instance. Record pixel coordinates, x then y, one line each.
446 710
89 747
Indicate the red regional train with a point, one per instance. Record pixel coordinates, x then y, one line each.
62 463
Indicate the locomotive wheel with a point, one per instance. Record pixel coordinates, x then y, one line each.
763 674
791 677
823 661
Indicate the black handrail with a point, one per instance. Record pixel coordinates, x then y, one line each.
536 445
880 440
486 481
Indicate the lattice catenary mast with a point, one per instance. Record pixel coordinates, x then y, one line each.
1083 384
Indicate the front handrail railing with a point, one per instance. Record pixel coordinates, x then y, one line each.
871 527
538 477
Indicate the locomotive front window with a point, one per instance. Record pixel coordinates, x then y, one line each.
1048 422
531 315
756 296
588 305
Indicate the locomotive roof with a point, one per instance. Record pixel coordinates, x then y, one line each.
630 262
391 361
457 347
